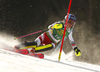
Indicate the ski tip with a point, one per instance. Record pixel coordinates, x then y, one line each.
15 38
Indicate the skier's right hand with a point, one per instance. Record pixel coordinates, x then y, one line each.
77 51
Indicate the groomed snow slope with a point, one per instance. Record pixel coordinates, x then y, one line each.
14 62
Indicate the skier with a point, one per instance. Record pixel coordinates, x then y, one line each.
50 38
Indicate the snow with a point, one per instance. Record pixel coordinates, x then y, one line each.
14 62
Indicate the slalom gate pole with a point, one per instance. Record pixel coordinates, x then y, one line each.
30 34
64 30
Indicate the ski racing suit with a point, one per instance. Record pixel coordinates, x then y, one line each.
50 38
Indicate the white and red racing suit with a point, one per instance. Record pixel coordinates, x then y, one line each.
53 36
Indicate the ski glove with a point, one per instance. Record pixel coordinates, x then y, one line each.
77 51
57 26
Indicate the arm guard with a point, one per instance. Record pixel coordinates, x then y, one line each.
56 26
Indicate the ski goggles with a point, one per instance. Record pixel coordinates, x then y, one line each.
71 22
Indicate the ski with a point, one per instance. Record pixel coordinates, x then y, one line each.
39 55
26 52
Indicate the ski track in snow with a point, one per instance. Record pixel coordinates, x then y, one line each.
14 62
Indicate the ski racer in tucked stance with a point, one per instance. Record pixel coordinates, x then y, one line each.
50 38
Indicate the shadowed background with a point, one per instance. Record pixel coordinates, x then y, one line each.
21 17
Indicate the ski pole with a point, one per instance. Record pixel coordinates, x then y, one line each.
64 30
58 46
70 56
30 34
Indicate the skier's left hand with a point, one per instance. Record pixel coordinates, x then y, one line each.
77 51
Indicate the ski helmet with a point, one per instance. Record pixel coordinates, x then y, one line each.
71 17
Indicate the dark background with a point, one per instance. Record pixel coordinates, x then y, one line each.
20 17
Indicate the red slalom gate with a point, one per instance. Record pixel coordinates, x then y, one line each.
64 30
